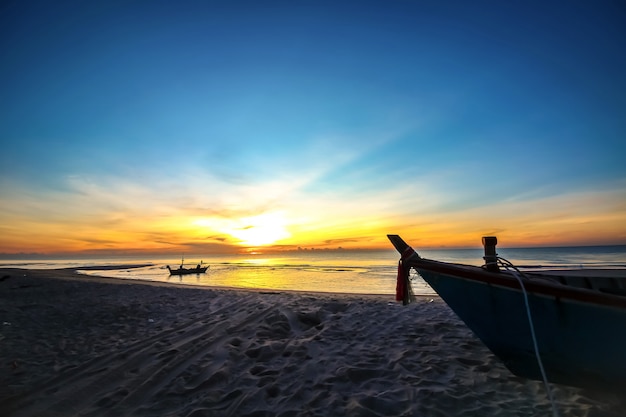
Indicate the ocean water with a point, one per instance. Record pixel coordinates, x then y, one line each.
359 272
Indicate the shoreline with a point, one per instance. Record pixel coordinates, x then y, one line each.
75 344
73 274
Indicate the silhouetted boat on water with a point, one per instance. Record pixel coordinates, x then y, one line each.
181 270
566 327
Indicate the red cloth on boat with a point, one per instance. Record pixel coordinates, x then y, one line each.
401 282
402 286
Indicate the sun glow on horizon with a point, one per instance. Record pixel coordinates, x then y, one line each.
260 230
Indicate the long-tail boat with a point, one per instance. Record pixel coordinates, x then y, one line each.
181 270
565 327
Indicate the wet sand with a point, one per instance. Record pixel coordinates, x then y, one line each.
75 345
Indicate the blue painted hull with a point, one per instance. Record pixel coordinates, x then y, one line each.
580 343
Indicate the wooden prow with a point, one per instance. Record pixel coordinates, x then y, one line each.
398 243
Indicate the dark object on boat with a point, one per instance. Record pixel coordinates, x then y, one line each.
186 271
578 317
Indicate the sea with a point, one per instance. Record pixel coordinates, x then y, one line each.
334 271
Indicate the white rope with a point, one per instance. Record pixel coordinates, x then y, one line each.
518 275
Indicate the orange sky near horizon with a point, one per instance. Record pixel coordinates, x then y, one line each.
61 228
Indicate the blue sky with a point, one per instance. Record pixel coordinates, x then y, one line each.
160 125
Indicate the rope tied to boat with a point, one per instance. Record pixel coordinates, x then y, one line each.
520 278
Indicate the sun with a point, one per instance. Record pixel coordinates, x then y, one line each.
261 230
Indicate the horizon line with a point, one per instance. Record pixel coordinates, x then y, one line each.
253 251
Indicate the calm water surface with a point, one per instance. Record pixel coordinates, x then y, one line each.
361 272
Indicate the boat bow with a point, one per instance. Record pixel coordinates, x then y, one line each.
580 322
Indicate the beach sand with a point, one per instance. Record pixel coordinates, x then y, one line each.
75 345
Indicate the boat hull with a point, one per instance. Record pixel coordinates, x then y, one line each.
187 271
580 332
580 343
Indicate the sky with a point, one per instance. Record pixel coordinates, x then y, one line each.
234 126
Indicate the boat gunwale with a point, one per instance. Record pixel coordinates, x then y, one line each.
547 286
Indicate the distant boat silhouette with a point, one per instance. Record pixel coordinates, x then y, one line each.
181 270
